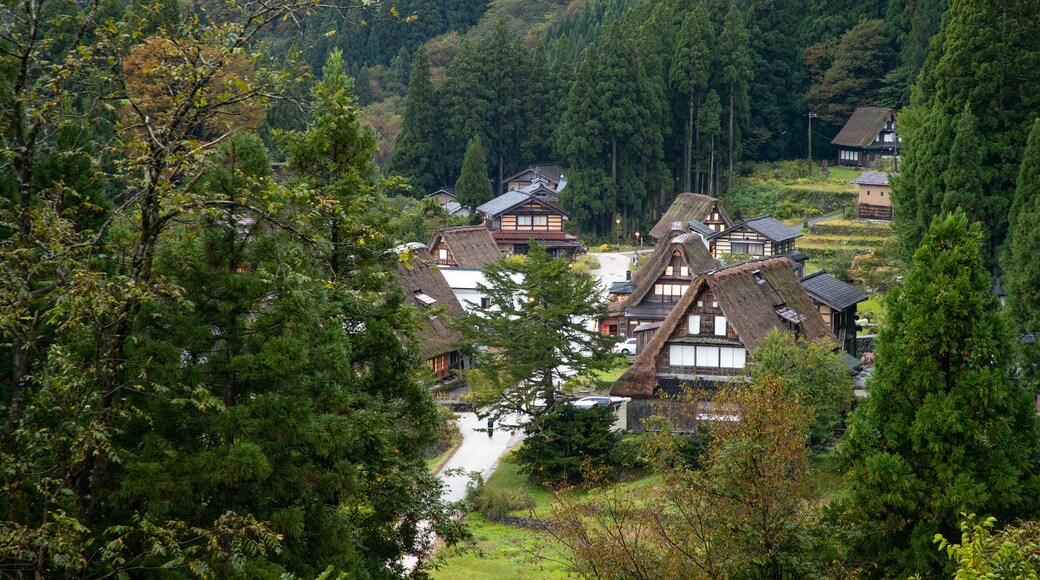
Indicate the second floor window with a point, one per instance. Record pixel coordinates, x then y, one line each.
532 220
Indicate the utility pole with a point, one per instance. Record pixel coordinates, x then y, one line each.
809 159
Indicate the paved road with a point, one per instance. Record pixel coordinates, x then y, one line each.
478 452
823 218
613 265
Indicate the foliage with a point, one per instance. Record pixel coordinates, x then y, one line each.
946 428
983 554
520 364
473 187
495 502
743 511
846 71
413 156
568 443
953 93
814 372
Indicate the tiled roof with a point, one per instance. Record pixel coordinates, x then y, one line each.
871 178
831 291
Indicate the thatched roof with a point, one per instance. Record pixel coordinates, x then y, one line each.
428 291
863 127
754 295
693 252
471 246
686 207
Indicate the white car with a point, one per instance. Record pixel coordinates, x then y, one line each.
627 347
589 402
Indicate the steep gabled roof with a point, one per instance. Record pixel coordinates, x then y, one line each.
768 226
871 178
756 296
550 171
444 188
470 246
686 207
689 244
511 200
831 291
863 127
427 290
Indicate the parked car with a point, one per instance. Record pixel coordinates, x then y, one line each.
589 402
626 347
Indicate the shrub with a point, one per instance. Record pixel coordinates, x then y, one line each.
494 503
567 442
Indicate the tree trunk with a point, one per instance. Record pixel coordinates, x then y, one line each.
729 178
613 160
501 173
697 146
711 168
688 148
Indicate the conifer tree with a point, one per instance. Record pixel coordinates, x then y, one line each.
691 67
986 57
735 61
1022 259
473 187
414 153
946 428
963 176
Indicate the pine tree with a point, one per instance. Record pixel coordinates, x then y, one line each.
735 61
414 153
473 187
963 176
946 428
691 67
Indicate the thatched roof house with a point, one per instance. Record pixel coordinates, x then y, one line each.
868 134
692 207
724 314
469 247
427 291
675 261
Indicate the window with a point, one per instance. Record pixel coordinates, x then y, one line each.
849 155
680 355
684 271
442 254
670 292
425 298
720 326
749 248
714 304
485 302
887 137
695 324
523 220
732 358
707 356
541 220
668 271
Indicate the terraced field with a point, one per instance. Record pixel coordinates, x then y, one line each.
843 236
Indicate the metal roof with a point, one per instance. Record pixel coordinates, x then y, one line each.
871 178
510 200
831 291
700 228
768 226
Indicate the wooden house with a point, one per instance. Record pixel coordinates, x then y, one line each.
550 174
515 219
723 315
762 237
836 302
429 293
664 277
444 195
870 134
875 195
689 207
468 247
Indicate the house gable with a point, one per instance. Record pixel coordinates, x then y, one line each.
692 206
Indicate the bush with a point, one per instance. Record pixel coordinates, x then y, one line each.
566 443
632 452
494 503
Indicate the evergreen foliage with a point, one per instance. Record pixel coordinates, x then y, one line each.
986 59
847 71
473 187
946 428
534 336
691 69
568 443
415 154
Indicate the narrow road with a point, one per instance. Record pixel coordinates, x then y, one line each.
478 452
823 218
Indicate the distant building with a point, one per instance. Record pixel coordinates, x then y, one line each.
689 207
764 237
869 135
875 195
444 195
468 247
836 302
551 175
429 293
515 219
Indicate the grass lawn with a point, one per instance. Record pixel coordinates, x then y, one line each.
828 477
433 464
498 552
